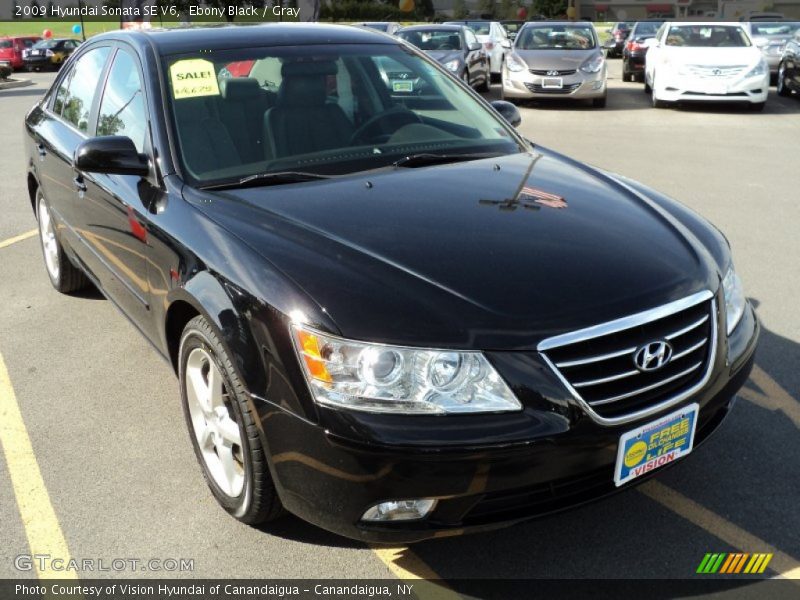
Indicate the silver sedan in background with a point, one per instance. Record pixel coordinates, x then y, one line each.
771 37
556 59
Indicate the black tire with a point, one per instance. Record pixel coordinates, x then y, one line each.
656 103
599 102
66 278
647 88
484 86
258 501
780 84
757 106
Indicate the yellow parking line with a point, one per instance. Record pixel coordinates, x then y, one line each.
38 517
18 238
405 564
771 396
783 564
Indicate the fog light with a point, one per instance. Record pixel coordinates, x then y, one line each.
597 85
400 510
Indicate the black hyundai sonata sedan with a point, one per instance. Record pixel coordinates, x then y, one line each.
389 313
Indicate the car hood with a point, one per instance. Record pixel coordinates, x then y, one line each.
715 57
444 56
561 60
493 254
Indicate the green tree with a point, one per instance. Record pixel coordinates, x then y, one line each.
550 8
460 9
487 8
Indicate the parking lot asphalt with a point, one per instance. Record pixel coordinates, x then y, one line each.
102 411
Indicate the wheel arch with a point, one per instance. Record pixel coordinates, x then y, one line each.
33 185
206 295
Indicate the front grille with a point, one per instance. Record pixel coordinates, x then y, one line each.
731 94
538 89
597 364
716 72
552 72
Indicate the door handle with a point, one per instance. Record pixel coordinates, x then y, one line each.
41 149
79 183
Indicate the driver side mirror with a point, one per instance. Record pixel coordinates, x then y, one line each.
112 155
506 44
508 111
651 43
475 47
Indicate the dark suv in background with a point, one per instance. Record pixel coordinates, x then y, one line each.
634 52
616 42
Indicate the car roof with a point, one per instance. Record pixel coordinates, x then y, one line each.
188 39
434 27
555 22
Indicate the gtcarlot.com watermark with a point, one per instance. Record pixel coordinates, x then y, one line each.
46 563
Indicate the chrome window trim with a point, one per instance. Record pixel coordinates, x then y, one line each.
626 323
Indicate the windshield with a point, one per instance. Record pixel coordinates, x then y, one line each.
45 44
556 37
5 43
479 27
777 28
379 26
707 36
439 39
513 26
328 110
646 28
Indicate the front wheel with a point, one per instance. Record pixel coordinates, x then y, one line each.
757 106
222 427
64 276
654 97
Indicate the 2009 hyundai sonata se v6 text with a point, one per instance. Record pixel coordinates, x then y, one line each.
389 313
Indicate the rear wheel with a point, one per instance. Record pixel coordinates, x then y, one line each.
781 83
64 276
222 427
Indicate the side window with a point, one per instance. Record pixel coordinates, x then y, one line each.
122 109
81 85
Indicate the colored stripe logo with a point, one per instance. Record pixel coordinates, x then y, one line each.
729 563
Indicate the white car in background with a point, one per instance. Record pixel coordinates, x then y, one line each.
715 62
494 38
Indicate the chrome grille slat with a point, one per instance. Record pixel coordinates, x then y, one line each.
689 350
694 367
596 364
593 359
605 379
680 332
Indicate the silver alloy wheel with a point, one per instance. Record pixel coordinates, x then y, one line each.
214 425
47 235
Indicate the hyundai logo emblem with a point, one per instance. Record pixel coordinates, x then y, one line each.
552 73
717 71
652 356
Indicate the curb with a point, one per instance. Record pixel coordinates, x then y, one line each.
15 83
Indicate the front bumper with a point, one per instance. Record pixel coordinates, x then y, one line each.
579 85
39 61
752 89
330 479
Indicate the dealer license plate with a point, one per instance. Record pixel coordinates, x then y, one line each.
553 83
655 444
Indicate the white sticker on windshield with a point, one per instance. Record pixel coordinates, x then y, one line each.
193 78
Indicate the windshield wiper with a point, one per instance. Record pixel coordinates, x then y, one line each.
426 159
266 179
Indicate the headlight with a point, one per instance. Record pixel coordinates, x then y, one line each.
394 379
758 70
593 64
49 53
515 63
734 299
453 65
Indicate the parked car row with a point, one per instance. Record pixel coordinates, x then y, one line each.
34 53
